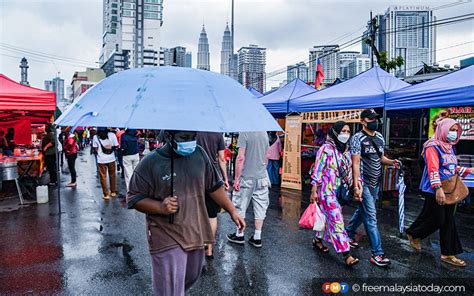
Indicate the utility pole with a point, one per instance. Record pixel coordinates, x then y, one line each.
232 27
371 41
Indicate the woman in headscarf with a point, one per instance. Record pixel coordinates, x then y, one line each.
440 164
333 169
273 158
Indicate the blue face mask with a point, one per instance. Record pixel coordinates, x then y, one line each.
185 148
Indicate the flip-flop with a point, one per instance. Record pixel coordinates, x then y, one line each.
352 262
453 261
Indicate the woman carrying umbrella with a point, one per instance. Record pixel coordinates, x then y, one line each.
70 149
440 164
333 169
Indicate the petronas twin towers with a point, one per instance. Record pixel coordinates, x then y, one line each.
228 59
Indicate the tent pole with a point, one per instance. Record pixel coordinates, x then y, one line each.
384 132
58 170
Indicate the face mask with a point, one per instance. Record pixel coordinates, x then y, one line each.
373 125
452 136
343 138
185 148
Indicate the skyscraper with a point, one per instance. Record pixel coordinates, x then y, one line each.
345 58
406 31
189 60
251 67
329 58
299 70
176 56
203 55
359 64
131 34
226 52
55 85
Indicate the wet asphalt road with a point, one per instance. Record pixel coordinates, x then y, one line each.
98 247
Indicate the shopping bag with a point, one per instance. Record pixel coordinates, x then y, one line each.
307 219
320 220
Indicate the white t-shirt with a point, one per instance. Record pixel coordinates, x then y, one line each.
110 141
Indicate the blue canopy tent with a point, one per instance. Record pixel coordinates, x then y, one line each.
278 101
450 90
366 90
255 92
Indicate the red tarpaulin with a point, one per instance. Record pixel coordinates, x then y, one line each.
22 130
18 101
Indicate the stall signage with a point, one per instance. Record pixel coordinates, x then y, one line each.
291 175
352 115
463 115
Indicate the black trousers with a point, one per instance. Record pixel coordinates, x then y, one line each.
71 163
50 161
434 217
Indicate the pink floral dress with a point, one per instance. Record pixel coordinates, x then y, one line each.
325 175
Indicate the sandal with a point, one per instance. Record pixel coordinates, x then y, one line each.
453 261
350 261
318 245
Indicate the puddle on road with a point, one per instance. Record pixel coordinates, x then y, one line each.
118 251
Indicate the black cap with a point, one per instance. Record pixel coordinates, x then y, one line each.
369 113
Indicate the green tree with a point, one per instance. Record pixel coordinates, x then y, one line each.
381 56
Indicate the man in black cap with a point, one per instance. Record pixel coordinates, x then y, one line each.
367 149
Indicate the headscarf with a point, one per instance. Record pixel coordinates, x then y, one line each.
272 137
332 136
439 138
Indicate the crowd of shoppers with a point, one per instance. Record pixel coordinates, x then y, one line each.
183 184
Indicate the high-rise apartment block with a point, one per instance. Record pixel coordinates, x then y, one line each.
359 64
328 56
406 31
131 34
251 67
345 58
300 70
55 85
203 55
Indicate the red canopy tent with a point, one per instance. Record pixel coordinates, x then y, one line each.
22 105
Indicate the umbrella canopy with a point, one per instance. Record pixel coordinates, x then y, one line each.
277 101
172 98
366 90
453 89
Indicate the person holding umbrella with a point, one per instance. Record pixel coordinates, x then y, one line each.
177 249
440 164
333 170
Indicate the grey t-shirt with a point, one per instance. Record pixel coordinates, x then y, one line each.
256 146
371 164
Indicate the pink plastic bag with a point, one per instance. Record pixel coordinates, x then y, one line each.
307 219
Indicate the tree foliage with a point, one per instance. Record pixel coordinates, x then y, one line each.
382 56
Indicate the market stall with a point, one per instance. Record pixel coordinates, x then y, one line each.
320 109
277 102
454 93
23 110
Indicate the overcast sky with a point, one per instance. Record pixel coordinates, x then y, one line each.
72 29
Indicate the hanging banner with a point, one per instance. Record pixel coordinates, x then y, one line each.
291 176
463 115
349 116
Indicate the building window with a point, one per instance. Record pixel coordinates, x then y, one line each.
153 1
114 5
127 5
114 18
152 8
151 15
129 13
114 11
